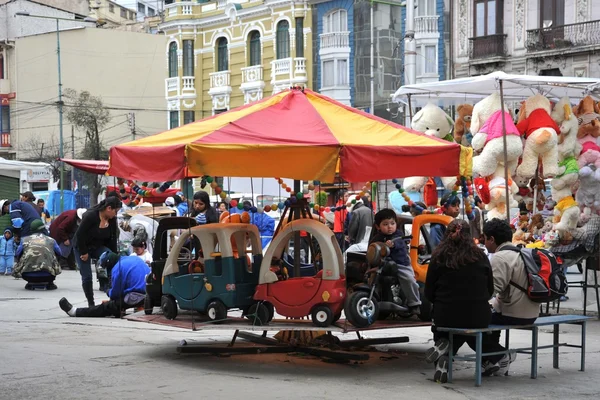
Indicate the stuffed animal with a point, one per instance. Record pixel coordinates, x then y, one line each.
541 137
524 192
497 197
536 225
462 124
523 222
486 126
588 134
541 199
568 146
565 210
433 121
588 194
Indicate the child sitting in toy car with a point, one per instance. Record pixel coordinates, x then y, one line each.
386 226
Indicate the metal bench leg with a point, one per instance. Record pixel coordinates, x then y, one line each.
450 356
507 339
583 326
478 359
584 287
534 351
555 348
596 288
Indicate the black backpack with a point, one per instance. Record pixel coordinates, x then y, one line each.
545 276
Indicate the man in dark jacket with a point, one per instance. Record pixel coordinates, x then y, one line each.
63 230
22 215
128 279
29 197
361 218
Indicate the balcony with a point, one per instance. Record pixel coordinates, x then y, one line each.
565 36
427 25
5 139
188 86
491 46
220 89
252 83
219 79
334 40
172 87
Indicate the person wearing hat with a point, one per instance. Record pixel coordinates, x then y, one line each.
22 213
63 230
181 205
7 252
37 258
450 205
29 197
128 287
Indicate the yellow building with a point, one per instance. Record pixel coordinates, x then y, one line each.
111 13
221 55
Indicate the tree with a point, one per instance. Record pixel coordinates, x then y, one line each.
88 114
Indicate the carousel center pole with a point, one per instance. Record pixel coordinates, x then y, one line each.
297 245
506 177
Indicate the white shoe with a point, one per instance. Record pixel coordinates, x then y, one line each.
488 368
504 364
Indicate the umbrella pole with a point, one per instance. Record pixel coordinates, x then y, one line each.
505 153
410 113
297 216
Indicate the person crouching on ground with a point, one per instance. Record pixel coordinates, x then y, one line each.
386 226
37 257
139 250
459 284
450 205
128 288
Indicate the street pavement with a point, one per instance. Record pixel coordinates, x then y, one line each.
47 355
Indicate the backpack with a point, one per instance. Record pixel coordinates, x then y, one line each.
545 276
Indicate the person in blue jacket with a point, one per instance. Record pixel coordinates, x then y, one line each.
450 204
128 287
265 225
22 214
7 252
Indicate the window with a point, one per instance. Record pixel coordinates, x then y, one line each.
141 8
328 78
488 17
188 58
283 40
426 8
173 60
430 60
342 72
4 119
552 13
335 21
255 48
188 117
111 8
123 13
173 119
151 12
222 56
299 37
131 15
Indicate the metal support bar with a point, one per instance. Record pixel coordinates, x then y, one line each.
478 339
235 335
450 355
555 353
373 342
534 351
258 339
583 326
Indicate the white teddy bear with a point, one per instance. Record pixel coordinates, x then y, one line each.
566 212
568 146
541 137
493 193
486 126
588 194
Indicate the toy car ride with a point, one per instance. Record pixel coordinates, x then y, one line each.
321 296
207 270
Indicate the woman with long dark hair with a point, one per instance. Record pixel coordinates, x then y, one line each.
459 284
202 211
98 232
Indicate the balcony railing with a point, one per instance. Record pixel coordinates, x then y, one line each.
428 24
300 66
253 74
487 46
186 9
172 86
188 84
334 40
5 139
219 79
564 36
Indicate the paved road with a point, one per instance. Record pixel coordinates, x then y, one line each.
47 355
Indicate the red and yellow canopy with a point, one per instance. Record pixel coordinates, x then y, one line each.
294 134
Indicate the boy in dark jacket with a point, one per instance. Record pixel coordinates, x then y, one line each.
386 226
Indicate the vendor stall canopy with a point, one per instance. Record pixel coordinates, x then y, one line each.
294 134
514 87
92 166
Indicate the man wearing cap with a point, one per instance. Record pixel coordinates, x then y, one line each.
63 230
128 280
37 257
181 205
22 213
29 197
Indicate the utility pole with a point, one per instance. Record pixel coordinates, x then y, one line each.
60 122
131 118
410 50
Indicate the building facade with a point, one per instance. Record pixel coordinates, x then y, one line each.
111 13
537 37
221 55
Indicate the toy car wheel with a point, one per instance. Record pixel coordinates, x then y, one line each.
336 317
360 311
271 310
148 306
322 316
216 311
168 305
426 307
259 314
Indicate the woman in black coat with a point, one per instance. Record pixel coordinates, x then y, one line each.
98 232
459 284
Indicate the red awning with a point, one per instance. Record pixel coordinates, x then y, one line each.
92 166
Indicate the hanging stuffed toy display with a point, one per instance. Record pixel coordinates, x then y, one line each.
430 195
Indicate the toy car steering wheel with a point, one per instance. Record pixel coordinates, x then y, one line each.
195 267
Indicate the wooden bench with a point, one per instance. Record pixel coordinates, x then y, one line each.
554 320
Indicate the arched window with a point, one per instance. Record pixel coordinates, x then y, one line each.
283 39
255 48
222 56
173 60
335 21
